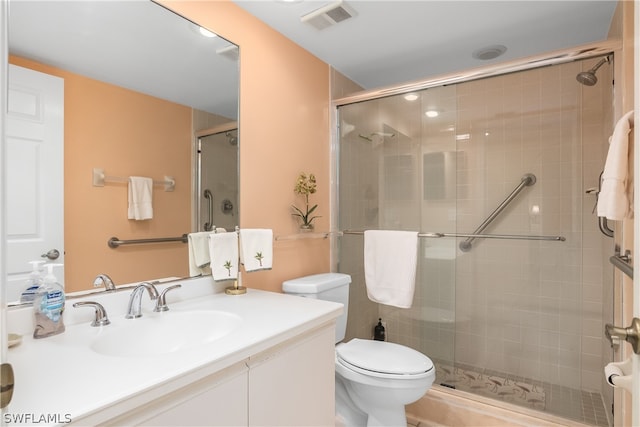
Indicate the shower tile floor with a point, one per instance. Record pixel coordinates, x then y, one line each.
582 406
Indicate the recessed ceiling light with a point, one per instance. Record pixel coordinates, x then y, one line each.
411 97
489 52
432 113
203 31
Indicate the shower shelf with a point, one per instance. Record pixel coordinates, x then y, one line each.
299 236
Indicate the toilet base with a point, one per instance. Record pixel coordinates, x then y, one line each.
348 414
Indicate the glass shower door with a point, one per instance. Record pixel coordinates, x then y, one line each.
217 200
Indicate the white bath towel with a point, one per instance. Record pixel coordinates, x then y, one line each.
223 251
256 248
140 198
615 200
390 261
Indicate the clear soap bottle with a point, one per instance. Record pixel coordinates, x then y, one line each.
33 282
48 306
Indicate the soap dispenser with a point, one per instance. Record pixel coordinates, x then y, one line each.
48 306
33 282
378 331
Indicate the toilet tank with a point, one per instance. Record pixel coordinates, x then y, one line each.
326 286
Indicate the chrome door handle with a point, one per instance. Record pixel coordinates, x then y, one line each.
630 334
52 254
208 226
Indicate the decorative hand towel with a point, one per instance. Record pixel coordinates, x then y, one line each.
390 260
140 198
615 200
223 249
256 249
199 258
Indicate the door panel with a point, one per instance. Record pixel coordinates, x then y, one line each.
34 193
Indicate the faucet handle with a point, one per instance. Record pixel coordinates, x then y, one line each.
101 318
161 303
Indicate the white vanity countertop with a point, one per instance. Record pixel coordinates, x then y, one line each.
62 378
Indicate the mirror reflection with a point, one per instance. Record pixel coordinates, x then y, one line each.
131 88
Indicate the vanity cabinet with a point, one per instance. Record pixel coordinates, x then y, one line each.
216 400
289 384
294 384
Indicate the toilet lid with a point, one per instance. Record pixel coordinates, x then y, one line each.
383 357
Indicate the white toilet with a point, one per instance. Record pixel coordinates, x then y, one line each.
374 379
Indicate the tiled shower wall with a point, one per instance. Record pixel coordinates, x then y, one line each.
535 309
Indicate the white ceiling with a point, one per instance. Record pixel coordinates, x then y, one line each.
140 45
390 42
135 44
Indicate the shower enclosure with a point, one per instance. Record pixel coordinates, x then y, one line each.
217 180
516 314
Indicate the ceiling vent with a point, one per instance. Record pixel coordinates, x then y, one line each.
328 15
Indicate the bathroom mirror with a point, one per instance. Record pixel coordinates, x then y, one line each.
138 46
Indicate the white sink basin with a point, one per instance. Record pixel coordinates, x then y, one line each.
162 333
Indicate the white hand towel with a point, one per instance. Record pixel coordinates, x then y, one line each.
223 249
390 260
615 200
140 198
199 258
256 249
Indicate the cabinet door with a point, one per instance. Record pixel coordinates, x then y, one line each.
216 400
294 384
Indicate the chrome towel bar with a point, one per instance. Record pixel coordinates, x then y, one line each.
99 179
622 262
479 236
114 242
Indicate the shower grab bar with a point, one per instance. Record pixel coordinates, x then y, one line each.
527 180
114 242
622 262
208 226
480 236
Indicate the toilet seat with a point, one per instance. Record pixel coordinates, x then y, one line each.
383 359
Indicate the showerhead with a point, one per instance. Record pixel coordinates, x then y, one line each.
588 78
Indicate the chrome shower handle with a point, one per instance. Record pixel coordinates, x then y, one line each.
208 226
630 334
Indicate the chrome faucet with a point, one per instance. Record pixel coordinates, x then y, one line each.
106 282
134 309
161 303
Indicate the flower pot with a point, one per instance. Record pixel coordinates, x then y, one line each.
306 228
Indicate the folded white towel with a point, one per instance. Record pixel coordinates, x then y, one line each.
140 198
256 249
390 261
615 200
199 258
223 249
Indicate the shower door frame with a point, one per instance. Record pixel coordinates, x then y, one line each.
196 196
544 59
553 58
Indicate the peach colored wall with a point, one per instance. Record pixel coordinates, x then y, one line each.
151 137
284 129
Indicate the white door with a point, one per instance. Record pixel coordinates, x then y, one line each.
34 174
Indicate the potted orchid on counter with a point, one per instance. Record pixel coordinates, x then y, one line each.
305 185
